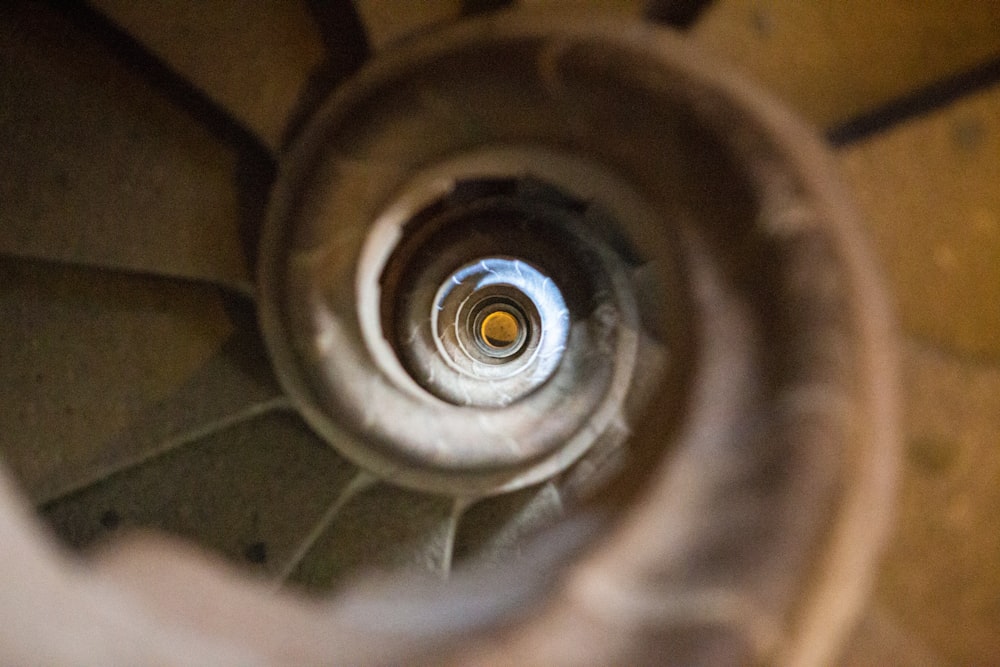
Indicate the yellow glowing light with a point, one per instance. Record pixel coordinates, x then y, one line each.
499 330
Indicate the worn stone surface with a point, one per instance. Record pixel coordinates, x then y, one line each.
254 62
85 354
382 529
834 60
387 21
101 169
941 578
250 492
930 190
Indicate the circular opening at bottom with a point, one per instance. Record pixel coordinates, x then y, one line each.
499 327
499 330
